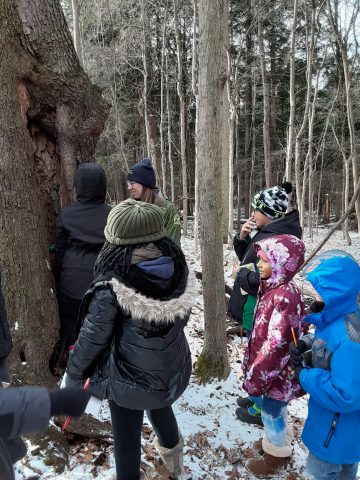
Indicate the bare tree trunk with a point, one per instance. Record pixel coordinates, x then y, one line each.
149 111
171 162
195 92
349 103
291 126
213 361
270 174
76 28
181 94
50 119
162 104
300 192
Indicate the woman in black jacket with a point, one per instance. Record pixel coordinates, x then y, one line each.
79 239
136 310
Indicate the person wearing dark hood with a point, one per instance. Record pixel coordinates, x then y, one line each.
142 186
269 218
136 310
79 239
27 410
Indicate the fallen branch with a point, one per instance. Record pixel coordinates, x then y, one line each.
336 226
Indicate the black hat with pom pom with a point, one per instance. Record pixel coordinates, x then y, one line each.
273 202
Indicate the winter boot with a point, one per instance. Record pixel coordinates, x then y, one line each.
173 458
251 415
266 466
273 460
244 402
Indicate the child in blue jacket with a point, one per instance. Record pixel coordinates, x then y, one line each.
332 428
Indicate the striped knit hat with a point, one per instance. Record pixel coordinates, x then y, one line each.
273 202
133 222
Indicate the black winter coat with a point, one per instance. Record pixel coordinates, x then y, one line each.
5 337
149 365
22 411
80 232
247 279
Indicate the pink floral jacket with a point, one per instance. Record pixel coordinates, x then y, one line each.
279 308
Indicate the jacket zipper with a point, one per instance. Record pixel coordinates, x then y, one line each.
332 429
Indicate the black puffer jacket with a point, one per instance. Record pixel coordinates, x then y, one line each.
150 363
5 337
80 232
247 279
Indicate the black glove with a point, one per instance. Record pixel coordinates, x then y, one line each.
68 401
316 307
296 354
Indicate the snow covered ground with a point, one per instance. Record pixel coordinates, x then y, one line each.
217 444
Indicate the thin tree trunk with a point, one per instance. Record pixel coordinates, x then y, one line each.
213 361
270 174
168 109
162 104
194 86
349 103
180 91
76 28
291 126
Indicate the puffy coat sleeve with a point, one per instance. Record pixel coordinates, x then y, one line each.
240 246
95 335
23 410
249 281
337 389
273 355
172 223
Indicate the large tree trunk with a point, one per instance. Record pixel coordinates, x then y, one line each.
213 361
50 120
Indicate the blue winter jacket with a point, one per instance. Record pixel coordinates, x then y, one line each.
332 429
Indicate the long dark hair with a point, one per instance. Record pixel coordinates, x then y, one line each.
117 258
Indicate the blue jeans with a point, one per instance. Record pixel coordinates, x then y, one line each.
317 469
274 415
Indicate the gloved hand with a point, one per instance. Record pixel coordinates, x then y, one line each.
316 306
68 401
296 353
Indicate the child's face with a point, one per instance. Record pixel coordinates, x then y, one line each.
265 269
260 219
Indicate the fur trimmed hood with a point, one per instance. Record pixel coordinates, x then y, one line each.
148 309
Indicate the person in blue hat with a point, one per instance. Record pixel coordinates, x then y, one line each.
332 428
142 186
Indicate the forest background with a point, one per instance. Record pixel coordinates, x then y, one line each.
225 97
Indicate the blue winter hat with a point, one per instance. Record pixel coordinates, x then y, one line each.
143 172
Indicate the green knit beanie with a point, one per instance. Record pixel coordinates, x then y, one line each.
133 222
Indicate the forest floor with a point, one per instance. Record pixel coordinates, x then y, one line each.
217 445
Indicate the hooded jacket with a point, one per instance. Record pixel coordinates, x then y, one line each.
141 321
241 307
80 232
279 309
332 428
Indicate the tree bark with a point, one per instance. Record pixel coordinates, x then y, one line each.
181 94
50 119
213 362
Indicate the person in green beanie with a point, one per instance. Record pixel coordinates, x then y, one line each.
142 186
134 316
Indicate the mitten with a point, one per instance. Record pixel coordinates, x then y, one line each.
68 401
296 354
316 306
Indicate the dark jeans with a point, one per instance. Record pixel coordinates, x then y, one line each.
68 312
127 425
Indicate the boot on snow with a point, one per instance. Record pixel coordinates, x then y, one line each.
172 458
267 465
249 415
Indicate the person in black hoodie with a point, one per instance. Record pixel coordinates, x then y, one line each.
136 311
269 218
79 239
